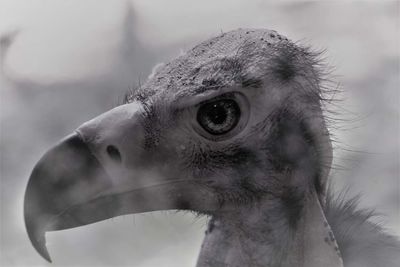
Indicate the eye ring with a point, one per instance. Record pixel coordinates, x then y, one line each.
222 117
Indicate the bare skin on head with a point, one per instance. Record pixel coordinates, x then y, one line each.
233 129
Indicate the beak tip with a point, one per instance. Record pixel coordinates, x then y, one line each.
40 245
37 237
38 200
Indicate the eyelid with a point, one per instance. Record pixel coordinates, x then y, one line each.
193 100
229 95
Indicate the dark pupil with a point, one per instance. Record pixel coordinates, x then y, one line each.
217 114
219 117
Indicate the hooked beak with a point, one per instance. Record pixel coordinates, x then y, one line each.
102 171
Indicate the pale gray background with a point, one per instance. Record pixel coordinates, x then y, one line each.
72 60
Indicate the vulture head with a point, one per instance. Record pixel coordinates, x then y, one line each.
232 129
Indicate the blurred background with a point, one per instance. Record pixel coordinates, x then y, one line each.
64 62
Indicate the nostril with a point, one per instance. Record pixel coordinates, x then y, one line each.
113 153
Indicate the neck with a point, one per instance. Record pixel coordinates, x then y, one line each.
263 234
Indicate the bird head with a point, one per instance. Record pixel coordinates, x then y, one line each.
234 120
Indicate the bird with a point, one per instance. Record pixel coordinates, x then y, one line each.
233 129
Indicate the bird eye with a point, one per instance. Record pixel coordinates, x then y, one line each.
218 117
221 117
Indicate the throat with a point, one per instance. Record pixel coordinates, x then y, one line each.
263 234
253 235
